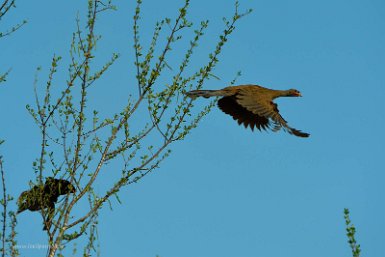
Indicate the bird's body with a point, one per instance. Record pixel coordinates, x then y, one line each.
252 105
44 196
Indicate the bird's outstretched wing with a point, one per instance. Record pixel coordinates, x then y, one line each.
230 106
264 107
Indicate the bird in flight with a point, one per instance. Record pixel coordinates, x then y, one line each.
252 105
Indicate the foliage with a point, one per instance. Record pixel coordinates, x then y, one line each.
8 218
8 230
5 7
351 232
77 143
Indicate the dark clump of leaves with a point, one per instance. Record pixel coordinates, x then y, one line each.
45 196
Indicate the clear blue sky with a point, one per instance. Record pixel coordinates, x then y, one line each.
226 191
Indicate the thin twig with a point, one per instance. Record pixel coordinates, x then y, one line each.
4 204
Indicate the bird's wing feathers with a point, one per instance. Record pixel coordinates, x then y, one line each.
261 105
230 106
277 118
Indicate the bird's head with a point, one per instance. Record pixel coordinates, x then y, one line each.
293 92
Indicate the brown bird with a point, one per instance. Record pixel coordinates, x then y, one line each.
252 105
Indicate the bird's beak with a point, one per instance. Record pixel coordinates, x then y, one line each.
299 94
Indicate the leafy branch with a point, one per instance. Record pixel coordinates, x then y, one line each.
351 232
76 147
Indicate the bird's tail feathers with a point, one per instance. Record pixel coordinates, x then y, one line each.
204 93
297 132
290 130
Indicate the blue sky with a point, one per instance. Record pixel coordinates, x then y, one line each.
226 191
